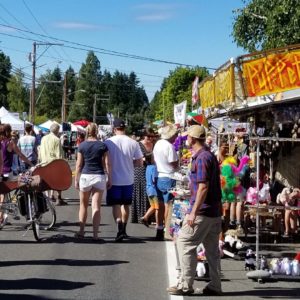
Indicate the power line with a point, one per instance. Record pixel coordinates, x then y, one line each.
39 24
104 51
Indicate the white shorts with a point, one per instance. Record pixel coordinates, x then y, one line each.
89 181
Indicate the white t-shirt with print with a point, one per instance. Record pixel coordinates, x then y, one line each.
122 151
164 154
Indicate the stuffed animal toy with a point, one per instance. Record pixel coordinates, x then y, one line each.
263 263
286 268
200 269
201 251
250 260
295 267
275 266
283 197
264 194
251 196
232 245
294 196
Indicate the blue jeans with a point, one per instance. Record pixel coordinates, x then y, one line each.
164 184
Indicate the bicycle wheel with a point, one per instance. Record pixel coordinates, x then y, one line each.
33 214
48 218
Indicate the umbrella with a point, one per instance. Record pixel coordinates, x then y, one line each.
82 123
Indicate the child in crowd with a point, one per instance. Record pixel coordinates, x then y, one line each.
151 179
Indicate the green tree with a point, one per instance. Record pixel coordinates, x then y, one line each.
266 24
89 81
18 94
5 69
49 94
175 89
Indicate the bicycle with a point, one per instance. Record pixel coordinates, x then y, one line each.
32 203
36 207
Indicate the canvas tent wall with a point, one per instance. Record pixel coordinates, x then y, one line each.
7 118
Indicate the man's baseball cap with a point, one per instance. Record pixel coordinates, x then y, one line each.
196 131
119 123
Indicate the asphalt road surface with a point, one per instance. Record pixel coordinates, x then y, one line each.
63 267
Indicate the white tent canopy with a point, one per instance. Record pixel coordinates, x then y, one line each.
3 111
8 118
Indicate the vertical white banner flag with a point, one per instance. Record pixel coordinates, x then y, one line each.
195 93
180 113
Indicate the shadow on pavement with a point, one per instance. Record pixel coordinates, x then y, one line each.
62 262
20 296
269 293
41 284
66 223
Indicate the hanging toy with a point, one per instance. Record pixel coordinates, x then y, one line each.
230 178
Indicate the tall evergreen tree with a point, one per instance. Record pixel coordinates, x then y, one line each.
5 69
89 82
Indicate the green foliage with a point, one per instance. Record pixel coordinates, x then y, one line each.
18 94
41 119
49 94
266 24
5 68
88 81
175 89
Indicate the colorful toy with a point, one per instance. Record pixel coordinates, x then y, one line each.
263 195
230 178
250 260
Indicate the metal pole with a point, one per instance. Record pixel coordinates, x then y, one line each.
32 100
94 108
257 209
64 102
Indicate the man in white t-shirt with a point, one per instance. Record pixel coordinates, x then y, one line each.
125 154
166 160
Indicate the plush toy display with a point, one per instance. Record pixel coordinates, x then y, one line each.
275 266
295 267
250 260
232 245
201 271
263 195
230 178
288 197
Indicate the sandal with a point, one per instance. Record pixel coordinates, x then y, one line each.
79 235
144 222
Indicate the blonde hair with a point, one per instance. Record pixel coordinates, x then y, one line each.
92 130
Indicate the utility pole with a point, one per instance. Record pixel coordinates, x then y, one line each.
34 60
64 100
95 108
32 99
106 98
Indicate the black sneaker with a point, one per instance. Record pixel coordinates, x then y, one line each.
120 236
125 235
209 292
174 290
160 236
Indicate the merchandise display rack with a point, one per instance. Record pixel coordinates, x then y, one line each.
261 275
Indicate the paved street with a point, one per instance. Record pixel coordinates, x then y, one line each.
62 267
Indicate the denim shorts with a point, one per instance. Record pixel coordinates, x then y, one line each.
164 184
119 195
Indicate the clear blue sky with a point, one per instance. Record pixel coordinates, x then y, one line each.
191 32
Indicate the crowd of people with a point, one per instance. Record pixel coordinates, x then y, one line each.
137 177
